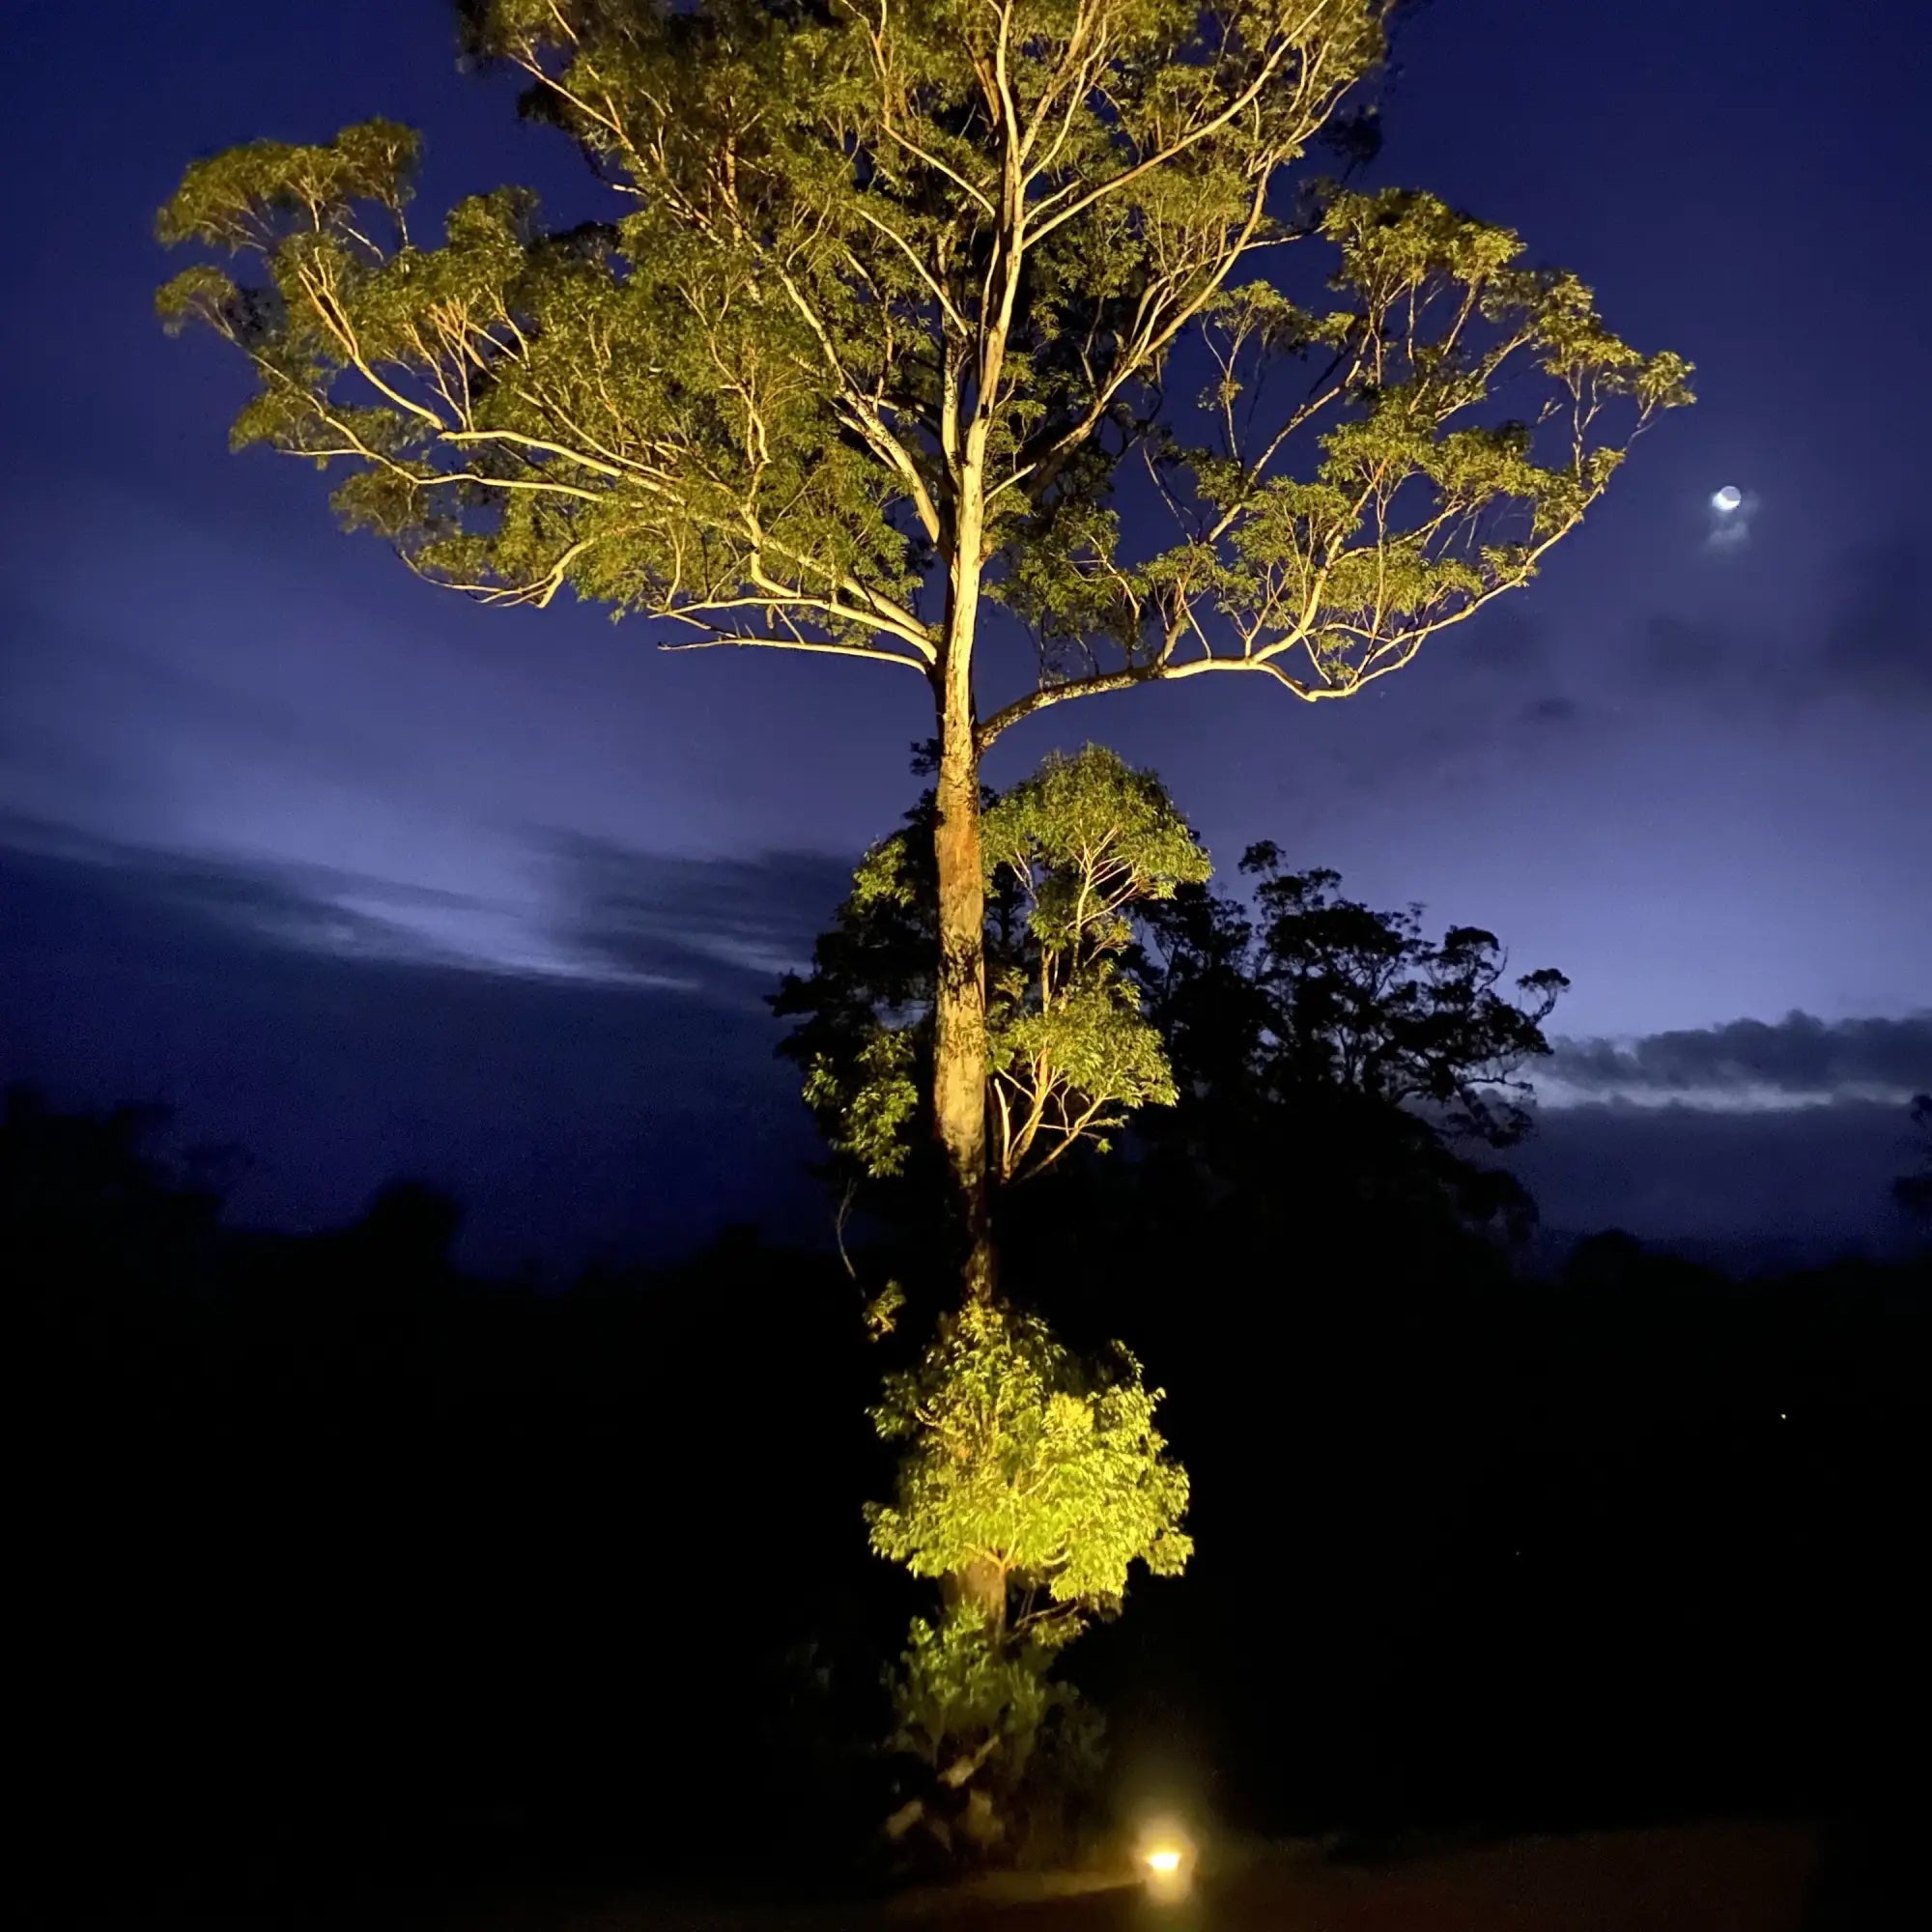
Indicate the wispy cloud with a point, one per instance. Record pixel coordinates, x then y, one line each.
721 928
732 923
323 909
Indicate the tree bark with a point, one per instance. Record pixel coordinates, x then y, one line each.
959 1007
983 1584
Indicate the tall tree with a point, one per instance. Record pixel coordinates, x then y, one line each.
887 298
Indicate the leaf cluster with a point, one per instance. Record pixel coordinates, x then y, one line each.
1070 854
1027 1465
1358 478
1005 1743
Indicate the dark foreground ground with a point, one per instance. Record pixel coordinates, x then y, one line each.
1705 1878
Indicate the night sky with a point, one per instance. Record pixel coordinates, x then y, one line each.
366 879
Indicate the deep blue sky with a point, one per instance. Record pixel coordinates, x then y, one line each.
367 877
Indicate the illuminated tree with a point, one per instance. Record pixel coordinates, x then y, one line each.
1032 1481
1069 854
886 299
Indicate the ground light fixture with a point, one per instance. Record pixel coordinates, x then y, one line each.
1165 1854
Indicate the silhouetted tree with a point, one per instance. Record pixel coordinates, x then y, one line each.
411 1227
288 1620
1315 994
322 1557
95 1206
886 297
1331 1054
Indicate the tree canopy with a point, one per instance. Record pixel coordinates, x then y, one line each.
881 304
845 238
1313 990
1041 1477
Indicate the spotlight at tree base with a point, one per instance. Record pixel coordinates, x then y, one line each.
1166 1858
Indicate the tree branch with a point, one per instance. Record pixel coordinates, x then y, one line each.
1102 682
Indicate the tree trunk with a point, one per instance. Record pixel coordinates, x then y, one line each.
983 1584
959 1004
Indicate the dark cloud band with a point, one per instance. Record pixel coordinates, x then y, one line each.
1796 1055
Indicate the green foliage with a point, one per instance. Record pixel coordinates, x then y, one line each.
861 1030
1084 842
1029 1484
1030 1470
958 1689
872 1103
255 196
882 1313
875 278
1000 1738
1069 854
1088 835
1427 499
